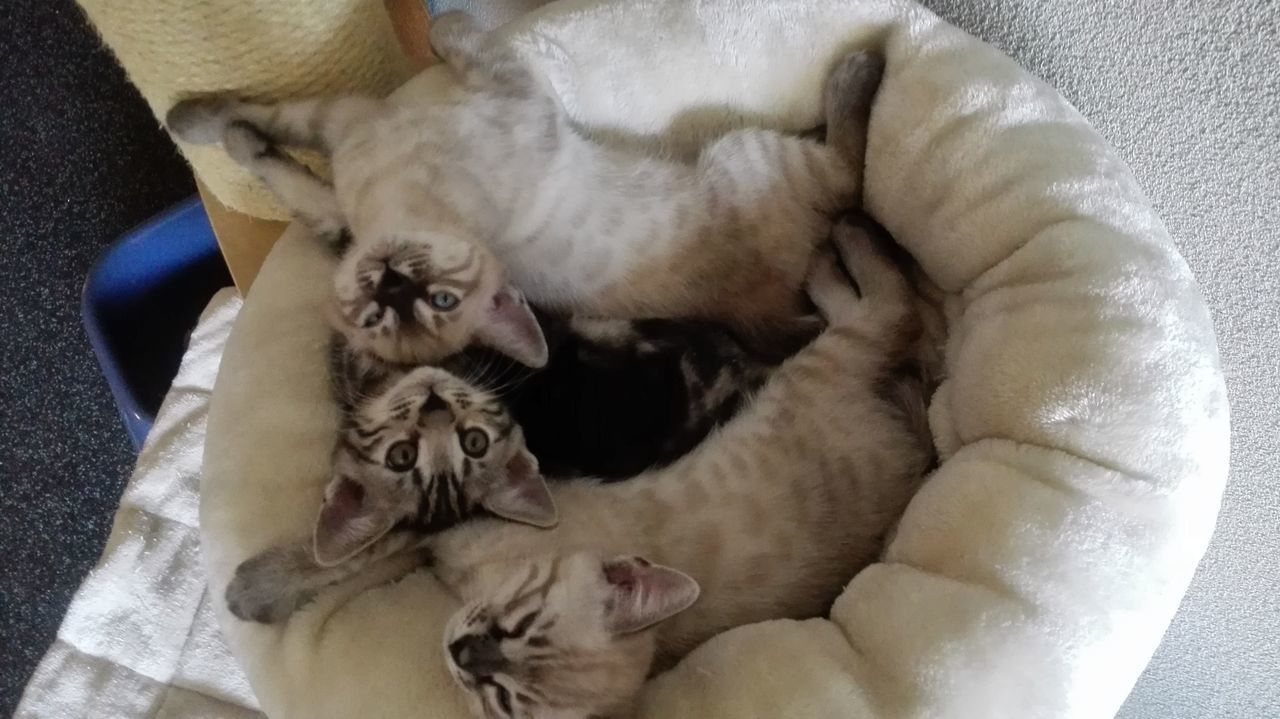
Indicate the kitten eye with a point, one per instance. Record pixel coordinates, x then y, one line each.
401 456
443 301
474 442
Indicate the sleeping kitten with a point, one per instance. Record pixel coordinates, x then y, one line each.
769 518
446 194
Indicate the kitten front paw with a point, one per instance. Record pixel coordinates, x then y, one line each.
246 144
859 283
266 588
200 120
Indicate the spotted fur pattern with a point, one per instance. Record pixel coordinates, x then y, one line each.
487 181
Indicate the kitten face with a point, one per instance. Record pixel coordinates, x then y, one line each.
423 296
563 636
426 453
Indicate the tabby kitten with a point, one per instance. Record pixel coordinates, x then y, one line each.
768 518
446 194
791 499
616 398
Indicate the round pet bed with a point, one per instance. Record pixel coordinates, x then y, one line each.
1082 424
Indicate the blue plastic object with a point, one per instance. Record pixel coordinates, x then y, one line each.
141 301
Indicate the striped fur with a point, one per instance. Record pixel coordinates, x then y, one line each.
617 397
769 518
490 172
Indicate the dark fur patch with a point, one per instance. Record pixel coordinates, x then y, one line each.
606 411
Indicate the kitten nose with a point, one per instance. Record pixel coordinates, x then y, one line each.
396 291
435 403
477 655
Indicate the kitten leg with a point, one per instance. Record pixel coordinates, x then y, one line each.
876 305
272 585
269 587
317 123
850 90
308 198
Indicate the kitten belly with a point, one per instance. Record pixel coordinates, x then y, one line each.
562 278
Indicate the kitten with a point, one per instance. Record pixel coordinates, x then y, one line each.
791 499
616 397
450 195
768 518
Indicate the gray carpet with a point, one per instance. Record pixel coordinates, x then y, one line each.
81 161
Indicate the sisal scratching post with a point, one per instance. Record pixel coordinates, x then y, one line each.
261 50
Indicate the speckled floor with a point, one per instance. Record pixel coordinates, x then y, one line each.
81 161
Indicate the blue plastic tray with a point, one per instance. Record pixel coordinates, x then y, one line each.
141 301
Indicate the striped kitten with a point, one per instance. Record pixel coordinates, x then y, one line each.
615 399
450 195
767 519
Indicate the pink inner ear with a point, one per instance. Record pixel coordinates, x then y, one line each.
645 593
522 474
520 467
621 575
338 517
512 329
347 499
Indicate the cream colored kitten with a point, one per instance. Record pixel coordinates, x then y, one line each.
447 197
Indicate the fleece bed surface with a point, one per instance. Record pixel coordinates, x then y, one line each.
1083 423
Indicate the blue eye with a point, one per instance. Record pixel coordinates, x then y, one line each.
443 301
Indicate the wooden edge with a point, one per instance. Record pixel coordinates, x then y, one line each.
412 24
244 240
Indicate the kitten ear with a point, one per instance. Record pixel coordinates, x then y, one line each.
645 593
510 328
348 523
521 495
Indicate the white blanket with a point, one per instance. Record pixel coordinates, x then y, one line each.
1083 424
139 639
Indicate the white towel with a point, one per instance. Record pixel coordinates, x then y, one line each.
139 639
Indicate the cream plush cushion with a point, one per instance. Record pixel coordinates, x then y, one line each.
1083 424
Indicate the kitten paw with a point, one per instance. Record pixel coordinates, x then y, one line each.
857 276
199 120
265 588
852 84
246 144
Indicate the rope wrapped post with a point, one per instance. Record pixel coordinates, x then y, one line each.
271 51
